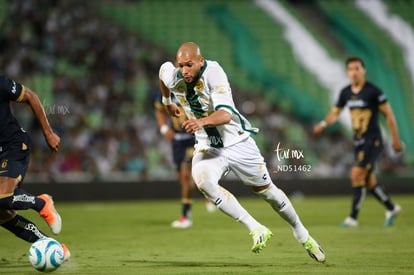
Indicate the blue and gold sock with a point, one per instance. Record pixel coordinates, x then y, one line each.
358 198
21 200
24 229
186 208
380 194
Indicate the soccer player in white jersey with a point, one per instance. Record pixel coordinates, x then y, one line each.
223 143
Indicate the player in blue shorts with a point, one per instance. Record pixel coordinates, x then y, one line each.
15 147
365 102
182 152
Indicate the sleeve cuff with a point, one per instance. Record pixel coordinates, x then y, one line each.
21 96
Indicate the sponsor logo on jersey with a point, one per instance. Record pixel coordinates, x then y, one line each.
215 141
181 88
199 87
355 103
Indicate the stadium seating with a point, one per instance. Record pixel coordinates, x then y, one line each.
4 6
116 48
383 57
287 84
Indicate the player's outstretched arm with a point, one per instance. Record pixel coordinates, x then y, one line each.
217 118
32 99
331 118
392 125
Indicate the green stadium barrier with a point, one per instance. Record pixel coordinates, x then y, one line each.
404 8
114 191
277 53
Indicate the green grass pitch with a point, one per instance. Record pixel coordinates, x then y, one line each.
136 238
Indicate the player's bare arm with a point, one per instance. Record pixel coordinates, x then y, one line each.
171 108
331 118
32 99
165 130
217 118
392 125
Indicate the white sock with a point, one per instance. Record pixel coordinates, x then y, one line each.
229 205
282 205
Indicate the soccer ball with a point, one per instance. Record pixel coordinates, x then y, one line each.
46 255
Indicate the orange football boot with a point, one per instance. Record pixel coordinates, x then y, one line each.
50 215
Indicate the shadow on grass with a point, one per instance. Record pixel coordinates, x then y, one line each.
196 263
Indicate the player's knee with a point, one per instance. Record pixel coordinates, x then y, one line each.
371 182
358 175
7 185
210 190
185 175
273 194
205 187
6 215
203 174
257 189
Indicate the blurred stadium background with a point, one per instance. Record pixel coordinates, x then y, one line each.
95 66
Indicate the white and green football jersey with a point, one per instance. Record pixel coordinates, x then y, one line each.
209 93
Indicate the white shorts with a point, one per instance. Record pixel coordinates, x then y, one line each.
243 158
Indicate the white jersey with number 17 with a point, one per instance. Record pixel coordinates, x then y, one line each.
209 93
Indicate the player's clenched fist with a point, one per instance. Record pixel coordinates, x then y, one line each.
173 110
398 146
192 125
53 141
318 129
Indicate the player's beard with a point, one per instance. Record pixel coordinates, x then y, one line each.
189 79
